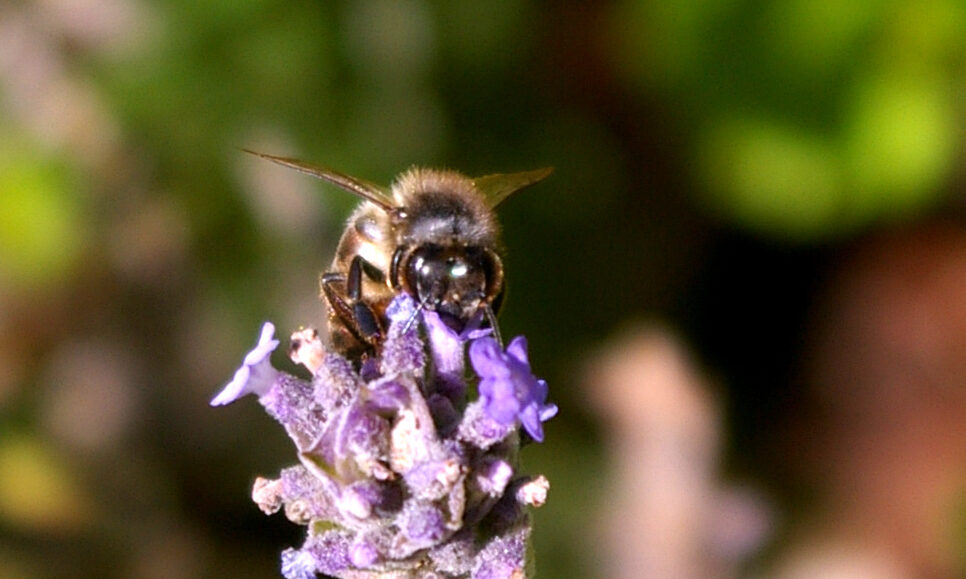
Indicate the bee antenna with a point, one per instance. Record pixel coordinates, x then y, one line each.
491 318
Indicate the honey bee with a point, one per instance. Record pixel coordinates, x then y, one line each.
433 235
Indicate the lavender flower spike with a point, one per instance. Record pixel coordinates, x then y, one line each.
508 389
256 374
398 475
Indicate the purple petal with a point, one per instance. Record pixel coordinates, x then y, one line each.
548 412
508 389
530 420
447 345
476 334
541 390
256 375
386 396
499 400
266 345
518 349
487 359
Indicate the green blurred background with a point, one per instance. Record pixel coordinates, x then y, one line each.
718 163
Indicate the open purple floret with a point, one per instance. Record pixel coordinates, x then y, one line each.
400 474
509 390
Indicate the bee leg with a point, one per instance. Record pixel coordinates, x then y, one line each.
366 320
333 290
343 293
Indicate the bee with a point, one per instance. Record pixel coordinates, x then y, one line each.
433 235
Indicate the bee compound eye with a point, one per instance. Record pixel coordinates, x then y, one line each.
493 270
421 275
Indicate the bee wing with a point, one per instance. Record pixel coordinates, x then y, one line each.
371 192
497 187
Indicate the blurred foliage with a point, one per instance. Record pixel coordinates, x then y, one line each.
817 118
131 225
37 493
42 222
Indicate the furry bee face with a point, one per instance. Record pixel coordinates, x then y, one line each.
433 235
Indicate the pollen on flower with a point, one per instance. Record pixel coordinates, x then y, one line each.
305 348
534 492
267 494
398 472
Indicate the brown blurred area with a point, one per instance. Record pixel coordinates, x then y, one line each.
885 441
875 442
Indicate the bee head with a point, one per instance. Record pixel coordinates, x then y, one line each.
455 281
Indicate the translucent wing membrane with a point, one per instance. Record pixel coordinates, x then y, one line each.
497 187
371 192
